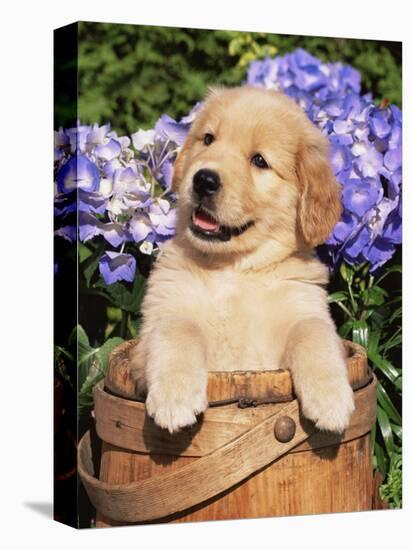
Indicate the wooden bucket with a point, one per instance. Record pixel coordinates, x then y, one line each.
250 455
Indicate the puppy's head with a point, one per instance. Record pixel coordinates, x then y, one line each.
254 169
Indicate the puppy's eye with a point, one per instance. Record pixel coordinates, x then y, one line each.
259 161
208 139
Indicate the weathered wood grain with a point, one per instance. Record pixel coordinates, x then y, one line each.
203 478
233 384
124 423
322 473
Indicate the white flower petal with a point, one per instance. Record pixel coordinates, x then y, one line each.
146 248
106 187
143 138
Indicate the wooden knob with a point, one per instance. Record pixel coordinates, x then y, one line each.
285 429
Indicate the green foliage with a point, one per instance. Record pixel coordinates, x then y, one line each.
391 490
248 46
92 365
122 297
122 300
62 359
129 74
108 316
371 315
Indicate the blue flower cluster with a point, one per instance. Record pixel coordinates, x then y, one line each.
119 189
366 152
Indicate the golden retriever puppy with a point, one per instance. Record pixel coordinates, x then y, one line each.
238 287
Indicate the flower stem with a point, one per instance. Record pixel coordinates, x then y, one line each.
149 148
352 299
164 148
346 310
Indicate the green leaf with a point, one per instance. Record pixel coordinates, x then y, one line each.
396 314
385 366
398 384
380 458
386 430
391 490
81 338
97 361
377 319
78 338
374 296
346 328
393 341
397 430
83 251
63 358
339 296
124 298
360 332
385 402
90 263
85 365
373 341
60 351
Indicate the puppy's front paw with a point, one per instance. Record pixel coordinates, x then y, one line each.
173 408
329 404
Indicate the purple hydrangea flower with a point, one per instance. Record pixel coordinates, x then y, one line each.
360 195
91 227
113 189
92 202
64 204
88 226
115 266
109 150
124 195
78 173
140 228
68 232
166 174
97 134
365 152
172 130
162 217
142 139
78 138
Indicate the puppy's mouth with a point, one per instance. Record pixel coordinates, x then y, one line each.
205 226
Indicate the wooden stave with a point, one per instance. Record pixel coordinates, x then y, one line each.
226 385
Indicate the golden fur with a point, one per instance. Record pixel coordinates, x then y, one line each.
257 301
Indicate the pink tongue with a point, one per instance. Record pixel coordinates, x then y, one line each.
202 220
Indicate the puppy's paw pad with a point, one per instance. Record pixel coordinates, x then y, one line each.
175 412
330 408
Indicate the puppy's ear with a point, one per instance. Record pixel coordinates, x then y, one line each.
178 167
320 200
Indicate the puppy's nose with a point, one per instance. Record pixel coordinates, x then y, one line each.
206 183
